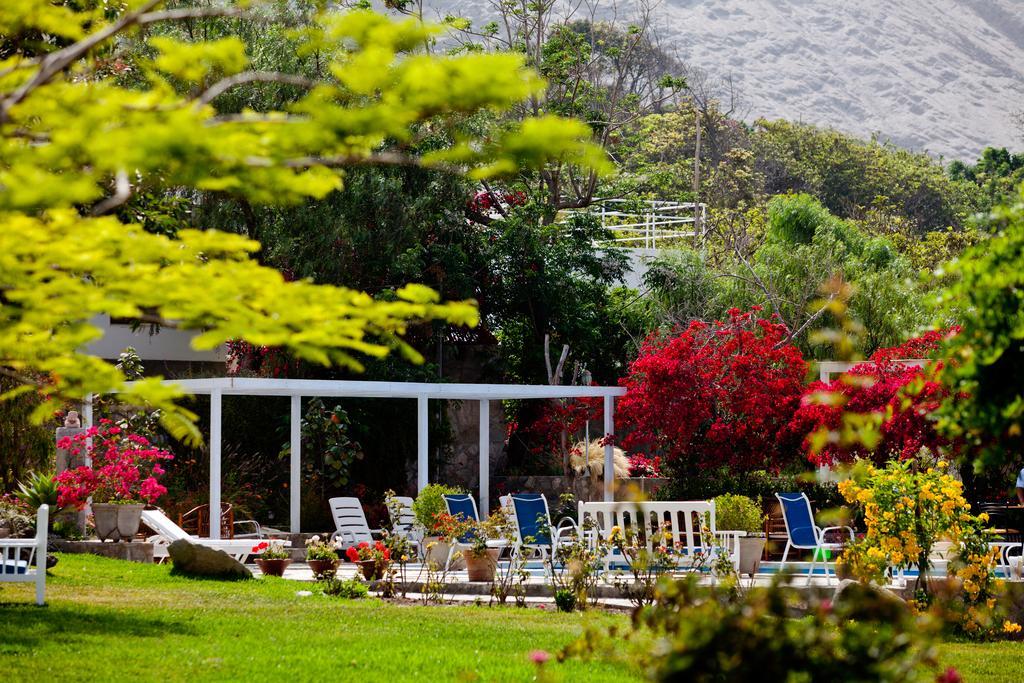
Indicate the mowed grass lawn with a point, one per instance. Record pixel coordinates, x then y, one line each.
109 621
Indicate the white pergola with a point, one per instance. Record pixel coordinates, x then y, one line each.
219 387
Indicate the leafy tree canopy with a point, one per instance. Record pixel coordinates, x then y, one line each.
76 144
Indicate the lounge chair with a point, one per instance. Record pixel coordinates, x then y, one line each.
464 505
534 530
24 559
803 534
403 522
169 532
350 521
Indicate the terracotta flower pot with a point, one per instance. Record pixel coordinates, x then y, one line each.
371 570
272 567
482 567
117 521
323 568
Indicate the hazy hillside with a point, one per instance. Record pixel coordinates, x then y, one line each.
936 75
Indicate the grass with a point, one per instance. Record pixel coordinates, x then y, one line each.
109 620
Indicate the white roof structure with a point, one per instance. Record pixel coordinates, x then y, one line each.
423 392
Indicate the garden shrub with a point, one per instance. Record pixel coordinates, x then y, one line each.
430 503
351 588
715 394
775 634
738 513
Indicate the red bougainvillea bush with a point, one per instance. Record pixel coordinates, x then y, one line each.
901 396
125 468
716 394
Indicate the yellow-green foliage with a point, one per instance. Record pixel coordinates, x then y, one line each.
76 143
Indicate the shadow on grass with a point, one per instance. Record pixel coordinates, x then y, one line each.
30 627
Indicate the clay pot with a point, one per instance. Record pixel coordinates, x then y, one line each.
323 568
115 521
481 567
751 549
272 567
371 570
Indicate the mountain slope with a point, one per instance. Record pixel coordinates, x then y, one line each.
942 76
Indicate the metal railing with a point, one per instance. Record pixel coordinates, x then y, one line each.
648 224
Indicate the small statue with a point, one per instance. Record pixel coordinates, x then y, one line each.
72 419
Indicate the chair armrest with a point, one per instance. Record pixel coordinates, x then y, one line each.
257 531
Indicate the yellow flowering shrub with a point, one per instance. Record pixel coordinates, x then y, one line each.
906 508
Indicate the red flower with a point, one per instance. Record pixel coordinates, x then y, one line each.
352 554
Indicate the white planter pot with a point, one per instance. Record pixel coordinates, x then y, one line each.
117 521
751 549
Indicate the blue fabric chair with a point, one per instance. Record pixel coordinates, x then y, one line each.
803 534
534 530
464 505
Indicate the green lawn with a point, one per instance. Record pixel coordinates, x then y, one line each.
110 620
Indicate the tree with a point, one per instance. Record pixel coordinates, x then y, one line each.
902 398
76 144
601 72
985 361
715 394
997 173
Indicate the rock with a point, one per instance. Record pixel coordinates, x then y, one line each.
193 559
868 602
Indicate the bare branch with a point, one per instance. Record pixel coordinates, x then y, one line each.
122 193
225 84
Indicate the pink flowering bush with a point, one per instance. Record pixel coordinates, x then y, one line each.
125 468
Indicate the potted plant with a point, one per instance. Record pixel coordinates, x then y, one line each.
121 480
740 513
373 559
272 558
481 560
322 557
427 506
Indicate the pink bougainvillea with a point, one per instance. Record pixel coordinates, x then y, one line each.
124 467
715 394
902 395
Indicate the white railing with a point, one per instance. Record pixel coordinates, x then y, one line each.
648 224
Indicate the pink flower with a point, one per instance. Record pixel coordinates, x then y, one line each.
950 675
539 657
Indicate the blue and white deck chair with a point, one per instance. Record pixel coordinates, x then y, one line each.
464 505
803 534
534 530
24 559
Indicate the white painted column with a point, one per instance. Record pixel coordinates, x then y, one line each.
609 453
87 421
215 451
422 445
485 458
295 478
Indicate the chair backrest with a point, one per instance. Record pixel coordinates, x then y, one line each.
533 521
350 520
649 521
462 505
197 520
402 518
162 524
796 511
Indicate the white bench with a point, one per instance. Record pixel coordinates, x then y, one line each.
650 520
24 559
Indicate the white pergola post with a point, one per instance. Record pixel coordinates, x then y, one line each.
87 421
295 464
215 448
422 445
485 457
609 452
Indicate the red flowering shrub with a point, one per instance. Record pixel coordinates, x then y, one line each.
716 394
642 466
124 469
902 396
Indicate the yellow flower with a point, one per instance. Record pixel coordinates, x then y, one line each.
942 464
1011 627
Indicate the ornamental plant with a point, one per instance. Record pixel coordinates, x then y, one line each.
738 513
715 394
907 508
891 402
271 550
430 502
450 527
125 468
645 563
319 549
366 552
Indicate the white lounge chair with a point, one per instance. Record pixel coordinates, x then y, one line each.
403 523
24 559
350 521
168 532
